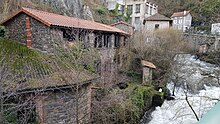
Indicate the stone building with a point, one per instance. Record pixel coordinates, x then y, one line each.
39 88
147 71
157 21
182 20
42 31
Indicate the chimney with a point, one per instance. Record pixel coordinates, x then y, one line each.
184 12
28 32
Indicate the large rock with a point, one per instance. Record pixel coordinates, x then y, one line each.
73 8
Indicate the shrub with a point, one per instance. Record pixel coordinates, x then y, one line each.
122 106
101 10
158 47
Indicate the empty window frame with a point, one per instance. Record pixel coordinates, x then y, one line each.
117 41
137 8
157 26
130 9
98 41
107 40
137 20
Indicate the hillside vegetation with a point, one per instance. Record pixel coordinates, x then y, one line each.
204 12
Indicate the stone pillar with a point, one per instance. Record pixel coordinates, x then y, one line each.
91 39
102 41
146 75
147 71
28 32
89 103
217 40
39 109
112 40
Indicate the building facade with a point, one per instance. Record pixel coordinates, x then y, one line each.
182 20
215 30
112 4
137 9
140 9
157 21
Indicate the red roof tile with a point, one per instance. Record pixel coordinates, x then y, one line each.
180 14
158 17
148 64
51 19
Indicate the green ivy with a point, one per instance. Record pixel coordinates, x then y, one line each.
101 10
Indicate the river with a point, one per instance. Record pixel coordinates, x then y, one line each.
203 91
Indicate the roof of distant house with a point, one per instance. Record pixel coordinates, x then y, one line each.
157 17
148 64
121 22
51 19
180 14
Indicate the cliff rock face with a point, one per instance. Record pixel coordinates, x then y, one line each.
73 8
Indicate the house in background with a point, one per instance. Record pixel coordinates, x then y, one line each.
182 20
124 27
139 10
215 30
157 21
112 4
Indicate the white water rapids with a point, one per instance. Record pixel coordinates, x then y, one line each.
205 97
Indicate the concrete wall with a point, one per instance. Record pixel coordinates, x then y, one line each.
150 25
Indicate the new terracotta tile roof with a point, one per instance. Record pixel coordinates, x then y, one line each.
124 23
158 17
51 19
148 64
180 14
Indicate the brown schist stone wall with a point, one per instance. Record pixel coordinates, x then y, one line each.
15 29
59 107
41 36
